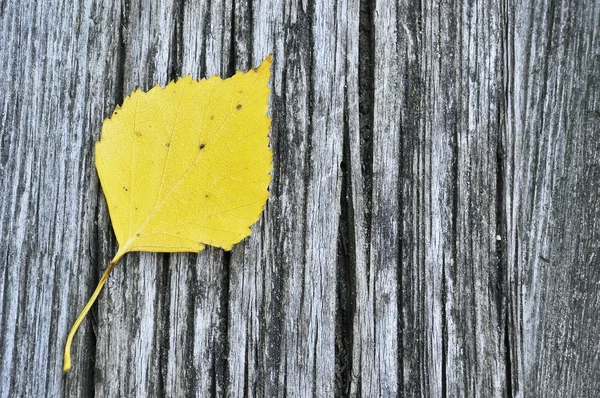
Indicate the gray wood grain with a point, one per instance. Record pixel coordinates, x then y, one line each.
553 199
50 107
375 367
461 129
432 226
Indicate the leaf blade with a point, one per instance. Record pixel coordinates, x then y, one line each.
189 164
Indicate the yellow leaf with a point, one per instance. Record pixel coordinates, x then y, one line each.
185 166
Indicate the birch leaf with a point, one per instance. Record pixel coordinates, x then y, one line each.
185 166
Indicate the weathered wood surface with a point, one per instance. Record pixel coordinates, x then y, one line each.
433 226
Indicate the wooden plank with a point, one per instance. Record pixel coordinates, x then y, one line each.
50 107
553 157
256 284
133 311
282 308
463 82
435 140
375 208
476 288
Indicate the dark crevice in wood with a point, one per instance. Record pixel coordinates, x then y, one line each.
95 258
206 33
272 332
503 295
232 58
502 291
511 330
246 381
285 374
98 259
163 314
176 55
251 35
191 373
222 358
507 354
121 55
346 268
315 362
502 213
366 114
516 322
454 266
400 280
258 389
366 101
307 167
444 295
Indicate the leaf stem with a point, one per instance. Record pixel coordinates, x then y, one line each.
86 309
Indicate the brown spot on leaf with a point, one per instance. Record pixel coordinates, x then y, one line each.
202 146
238 107
168 144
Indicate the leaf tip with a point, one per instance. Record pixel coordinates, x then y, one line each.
265 64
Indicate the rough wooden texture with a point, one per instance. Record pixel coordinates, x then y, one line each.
552 199
433 225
